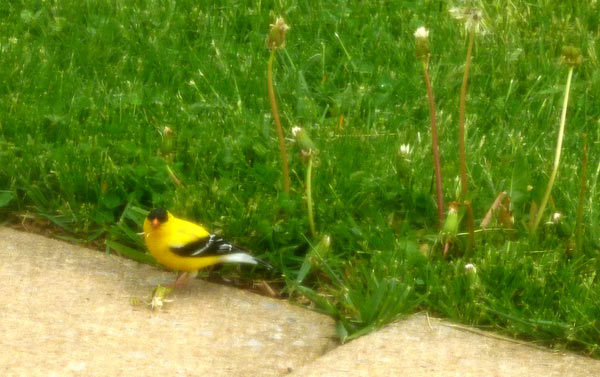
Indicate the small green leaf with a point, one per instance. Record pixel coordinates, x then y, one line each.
6 197
304 270
322 304
341 331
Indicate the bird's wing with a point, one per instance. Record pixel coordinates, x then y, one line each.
183 232
192 240
207 246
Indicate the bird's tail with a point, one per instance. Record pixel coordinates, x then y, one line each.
244 258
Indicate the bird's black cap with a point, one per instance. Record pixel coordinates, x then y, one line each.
159 214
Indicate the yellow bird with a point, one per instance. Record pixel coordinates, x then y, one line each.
187 247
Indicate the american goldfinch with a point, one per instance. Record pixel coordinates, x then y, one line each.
187 247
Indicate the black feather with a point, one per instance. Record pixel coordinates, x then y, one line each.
213 245
210 246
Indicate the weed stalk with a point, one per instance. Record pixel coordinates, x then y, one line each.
581 198
423 54
572 57
473 19
276 41
309 202
308 151
592 204
462 154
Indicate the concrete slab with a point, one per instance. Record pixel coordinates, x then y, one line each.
66 310
423 346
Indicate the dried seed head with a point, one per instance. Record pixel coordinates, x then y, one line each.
422 40
276 36
472 17
304 141
571 56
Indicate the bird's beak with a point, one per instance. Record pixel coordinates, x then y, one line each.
155 223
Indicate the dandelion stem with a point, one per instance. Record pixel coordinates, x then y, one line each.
275 110
591 205
561 133
435 147
174 177
582 187
462 156
309 202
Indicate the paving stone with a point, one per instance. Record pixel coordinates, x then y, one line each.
67 310
424 346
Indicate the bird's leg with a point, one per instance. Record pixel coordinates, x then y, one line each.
182 278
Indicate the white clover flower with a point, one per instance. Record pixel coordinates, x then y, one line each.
470 267
422 33
405 150
556 217
296 130
167 131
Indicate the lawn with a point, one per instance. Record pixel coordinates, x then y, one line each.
108 109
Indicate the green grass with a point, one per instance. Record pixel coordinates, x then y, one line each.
87 88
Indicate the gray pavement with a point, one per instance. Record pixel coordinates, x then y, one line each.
70 311
66 310
424 346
